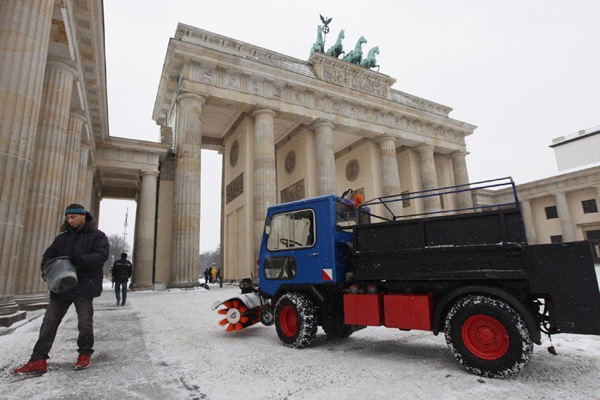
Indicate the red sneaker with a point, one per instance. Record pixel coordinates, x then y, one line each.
33 368
83 361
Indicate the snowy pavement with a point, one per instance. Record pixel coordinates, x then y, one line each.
168 345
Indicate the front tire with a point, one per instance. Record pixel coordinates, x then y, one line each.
488 337
296 320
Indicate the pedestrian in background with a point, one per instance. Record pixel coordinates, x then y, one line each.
121 272
88 249
213 273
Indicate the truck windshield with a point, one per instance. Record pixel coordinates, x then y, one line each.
292 230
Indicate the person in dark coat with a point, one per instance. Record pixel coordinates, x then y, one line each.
121 272
88 249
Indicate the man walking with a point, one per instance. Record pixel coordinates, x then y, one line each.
121 272
87 248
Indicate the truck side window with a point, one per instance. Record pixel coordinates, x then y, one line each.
280 268
292 230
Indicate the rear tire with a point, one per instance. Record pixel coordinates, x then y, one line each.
488 337
296 320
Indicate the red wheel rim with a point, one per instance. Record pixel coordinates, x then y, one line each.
485 337
288 321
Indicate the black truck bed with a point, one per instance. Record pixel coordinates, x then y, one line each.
475 245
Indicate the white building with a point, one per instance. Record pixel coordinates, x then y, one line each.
564 207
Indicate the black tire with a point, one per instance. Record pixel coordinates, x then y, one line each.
488 337
350 329
296 320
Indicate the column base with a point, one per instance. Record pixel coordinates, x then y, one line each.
33 301
136 288
183 285
8 320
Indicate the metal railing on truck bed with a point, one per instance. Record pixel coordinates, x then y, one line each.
466 198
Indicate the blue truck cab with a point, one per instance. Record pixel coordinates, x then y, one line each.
304 243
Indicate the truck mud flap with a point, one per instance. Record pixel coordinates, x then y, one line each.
565 274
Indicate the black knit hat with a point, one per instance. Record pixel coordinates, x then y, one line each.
75 209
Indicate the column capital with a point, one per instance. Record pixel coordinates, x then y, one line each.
149 173
63 66
191 96
424 147
385 138
459 154
321 123
258 111
78 117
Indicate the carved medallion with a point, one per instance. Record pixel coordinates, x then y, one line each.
234 153
290 162
352 170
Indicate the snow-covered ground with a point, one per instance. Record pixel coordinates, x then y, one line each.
168 345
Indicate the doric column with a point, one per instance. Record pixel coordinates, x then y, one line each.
42 220
428 177
185 266
82 175
265 186
390 175
72 163
461 177
326 182
90 173
144 239
24 32
528 221
562 208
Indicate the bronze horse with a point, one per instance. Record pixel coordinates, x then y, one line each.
336 49
355 56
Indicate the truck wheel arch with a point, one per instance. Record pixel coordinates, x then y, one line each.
448 299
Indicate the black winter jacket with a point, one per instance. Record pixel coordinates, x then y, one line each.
88 249
121 270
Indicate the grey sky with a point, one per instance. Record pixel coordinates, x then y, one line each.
523 71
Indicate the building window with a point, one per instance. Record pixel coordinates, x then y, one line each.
551 212
556 239
589 206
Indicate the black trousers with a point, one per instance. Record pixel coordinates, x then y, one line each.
54 315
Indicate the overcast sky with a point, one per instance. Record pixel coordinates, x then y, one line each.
523 72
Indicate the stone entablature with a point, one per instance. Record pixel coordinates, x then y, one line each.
197 63
568 182
131 152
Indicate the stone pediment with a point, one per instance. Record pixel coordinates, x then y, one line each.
351 76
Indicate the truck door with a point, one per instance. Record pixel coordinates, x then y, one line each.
291 248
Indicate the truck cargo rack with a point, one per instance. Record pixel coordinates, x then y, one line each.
385 208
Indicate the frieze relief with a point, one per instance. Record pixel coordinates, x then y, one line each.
296 95
295 191
232 81
234 189
257 87
360 83
200 74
